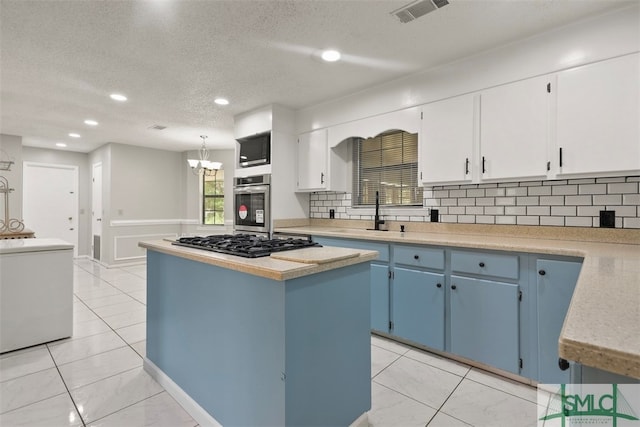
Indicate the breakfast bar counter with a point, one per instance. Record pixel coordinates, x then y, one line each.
279 340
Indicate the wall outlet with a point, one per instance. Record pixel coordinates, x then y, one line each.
434 215
608 219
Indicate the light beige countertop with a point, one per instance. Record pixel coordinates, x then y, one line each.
602 326
14 246
307 261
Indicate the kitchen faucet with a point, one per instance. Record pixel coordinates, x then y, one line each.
376 220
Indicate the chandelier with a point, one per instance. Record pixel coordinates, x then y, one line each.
203 164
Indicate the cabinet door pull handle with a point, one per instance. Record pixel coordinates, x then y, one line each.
560 156
466 166
563 364
542 272
483 168
321 177
439 285
416 257
481 264
453 287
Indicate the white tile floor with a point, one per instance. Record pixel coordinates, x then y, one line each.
96 378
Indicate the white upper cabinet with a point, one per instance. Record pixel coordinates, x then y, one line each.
446 141
407 120
253 122
599 118
321 168
514 128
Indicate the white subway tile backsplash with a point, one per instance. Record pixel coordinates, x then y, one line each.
563 190
563 210
578 200
505 201
476 192
466 219
528 220
611 199
539 191
539 210
485 201
515 210
506 220
485 219
631 199
552 200
627 187
552 220
516 191
527 200
591 211
494 210
624 210
607 180
474 210
631 223
574 202
582 181
494 192
578 221
592 189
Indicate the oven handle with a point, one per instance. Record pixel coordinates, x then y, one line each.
248 189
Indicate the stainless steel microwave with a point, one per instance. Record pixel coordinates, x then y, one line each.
255 150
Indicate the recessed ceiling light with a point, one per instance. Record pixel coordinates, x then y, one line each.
221 101
118 97
90 122
61 144
74 135
331 55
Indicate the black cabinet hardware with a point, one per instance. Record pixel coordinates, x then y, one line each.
563 364
548 87
466 166
560 156
416 257
321 177
483 168
481 264
542 272
439 285
453 287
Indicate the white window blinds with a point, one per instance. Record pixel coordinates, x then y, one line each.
387 163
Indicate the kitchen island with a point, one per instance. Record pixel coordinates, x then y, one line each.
262 341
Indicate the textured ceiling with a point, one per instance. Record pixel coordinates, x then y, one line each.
61 59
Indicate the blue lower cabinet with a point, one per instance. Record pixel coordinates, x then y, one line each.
380 297
418 307
484 322
556 281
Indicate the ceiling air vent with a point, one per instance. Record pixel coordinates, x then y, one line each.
416 9
157 127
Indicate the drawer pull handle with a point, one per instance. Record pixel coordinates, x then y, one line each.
453 287
439 285
416 257
542 272
563 364
481 264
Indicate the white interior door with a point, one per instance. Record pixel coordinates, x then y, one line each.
50 201
96 210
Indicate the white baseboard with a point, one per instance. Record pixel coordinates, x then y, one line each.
191 406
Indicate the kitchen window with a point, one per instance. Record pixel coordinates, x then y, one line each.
213 198
387 163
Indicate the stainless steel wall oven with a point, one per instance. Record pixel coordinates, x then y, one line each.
251 204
